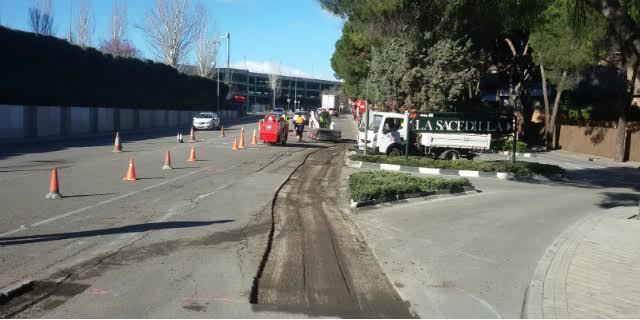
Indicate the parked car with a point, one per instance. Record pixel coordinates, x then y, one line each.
206 121
302 114
278 111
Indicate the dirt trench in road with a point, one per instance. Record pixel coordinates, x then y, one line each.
317 261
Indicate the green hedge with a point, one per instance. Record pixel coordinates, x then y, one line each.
520 168
507 145
43 70
369 185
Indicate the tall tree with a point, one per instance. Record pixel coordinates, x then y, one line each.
171 28
623 17
117 44
41 17
561 52
86 24
390 64
206 50
445 71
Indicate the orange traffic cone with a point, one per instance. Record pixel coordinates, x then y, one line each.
167 162
117 146
131 172
241 145
54 192
254 141
222 131
192 136
234 146
192 155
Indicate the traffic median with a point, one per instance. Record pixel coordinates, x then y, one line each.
501 169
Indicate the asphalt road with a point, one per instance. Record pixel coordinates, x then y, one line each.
181 243
473 256
178 243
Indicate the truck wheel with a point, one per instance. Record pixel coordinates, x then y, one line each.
395 152
452 155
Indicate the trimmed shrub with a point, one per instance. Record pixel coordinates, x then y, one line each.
369 185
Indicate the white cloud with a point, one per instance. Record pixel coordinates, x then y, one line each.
270 67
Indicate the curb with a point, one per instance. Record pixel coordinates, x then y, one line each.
526 154
546 294
407 196
422 170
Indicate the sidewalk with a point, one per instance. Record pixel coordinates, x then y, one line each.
592 270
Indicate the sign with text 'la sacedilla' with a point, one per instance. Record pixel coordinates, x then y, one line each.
463 122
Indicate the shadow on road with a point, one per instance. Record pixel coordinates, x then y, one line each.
88 195
619 199
136 228
602 178
105 139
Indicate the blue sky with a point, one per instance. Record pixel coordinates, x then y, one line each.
294 36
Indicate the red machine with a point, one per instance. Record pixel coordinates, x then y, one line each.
274 129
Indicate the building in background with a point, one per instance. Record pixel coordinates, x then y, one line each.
253 91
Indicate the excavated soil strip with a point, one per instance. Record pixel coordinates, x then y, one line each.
318 262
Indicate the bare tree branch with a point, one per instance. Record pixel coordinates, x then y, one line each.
206 51
171 28
41 17
86 24
118 45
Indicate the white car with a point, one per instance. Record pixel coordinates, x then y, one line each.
206 121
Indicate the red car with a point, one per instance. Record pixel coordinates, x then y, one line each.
274 129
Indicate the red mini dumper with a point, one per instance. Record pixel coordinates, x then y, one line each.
274 129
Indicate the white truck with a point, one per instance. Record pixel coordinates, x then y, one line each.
445 135
329 104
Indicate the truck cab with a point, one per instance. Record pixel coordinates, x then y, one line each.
387 133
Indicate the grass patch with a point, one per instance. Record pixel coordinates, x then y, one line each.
369 185
520 168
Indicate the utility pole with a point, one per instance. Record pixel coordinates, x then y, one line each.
228 50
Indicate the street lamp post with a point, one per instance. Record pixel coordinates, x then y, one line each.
217 41
288 104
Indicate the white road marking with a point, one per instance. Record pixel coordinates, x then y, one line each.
70 213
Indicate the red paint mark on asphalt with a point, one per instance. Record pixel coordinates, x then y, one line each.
98 292
219 299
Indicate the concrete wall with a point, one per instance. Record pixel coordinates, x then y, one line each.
33 123
11 121
145 119
80 120
48 121
596 141
105 119
127 119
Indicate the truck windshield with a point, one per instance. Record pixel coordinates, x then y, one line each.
374 123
